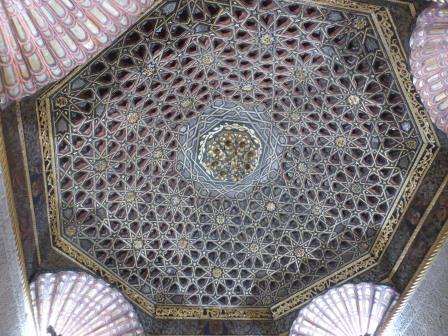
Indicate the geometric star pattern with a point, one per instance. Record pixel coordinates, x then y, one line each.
322 78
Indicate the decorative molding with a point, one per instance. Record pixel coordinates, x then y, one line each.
213 313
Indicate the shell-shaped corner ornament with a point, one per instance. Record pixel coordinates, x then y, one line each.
349 310
41 40
429 61
77 304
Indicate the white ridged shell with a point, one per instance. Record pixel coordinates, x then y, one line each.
77 304
349 310
429 62
42 40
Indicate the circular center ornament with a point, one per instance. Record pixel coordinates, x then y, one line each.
230 152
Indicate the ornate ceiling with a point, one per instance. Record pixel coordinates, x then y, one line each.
230 159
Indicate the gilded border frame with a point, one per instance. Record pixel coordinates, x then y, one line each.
385 28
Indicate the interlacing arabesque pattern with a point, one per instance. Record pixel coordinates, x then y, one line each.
345 141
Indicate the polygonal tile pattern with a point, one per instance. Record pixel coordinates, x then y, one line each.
316 86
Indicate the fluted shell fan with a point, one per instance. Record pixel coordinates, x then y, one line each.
77 304
429 62
349 310
42 40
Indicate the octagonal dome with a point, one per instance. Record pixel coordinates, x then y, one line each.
343 144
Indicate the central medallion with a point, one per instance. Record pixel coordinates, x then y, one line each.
230 152
229 148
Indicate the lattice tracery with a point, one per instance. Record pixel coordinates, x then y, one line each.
314 85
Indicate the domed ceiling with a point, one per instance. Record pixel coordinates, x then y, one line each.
230 159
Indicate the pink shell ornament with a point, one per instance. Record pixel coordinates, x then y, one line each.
429 62
349 310
77 304
42 40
